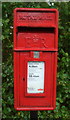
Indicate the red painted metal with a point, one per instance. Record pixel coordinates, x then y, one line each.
35 29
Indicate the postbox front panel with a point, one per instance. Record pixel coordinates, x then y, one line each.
35 38
35 59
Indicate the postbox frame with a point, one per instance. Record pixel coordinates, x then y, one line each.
17 53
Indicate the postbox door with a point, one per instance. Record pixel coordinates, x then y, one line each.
44 98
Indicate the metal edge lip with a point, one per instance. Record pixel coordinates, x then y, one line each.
22 50
36 9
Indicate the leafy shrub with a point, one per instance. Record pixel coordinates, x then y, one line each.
63 86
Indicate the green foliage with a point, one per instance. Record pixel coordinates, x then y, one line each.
63 85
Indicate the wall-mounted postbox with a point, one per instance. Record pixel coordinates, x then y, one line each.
35 58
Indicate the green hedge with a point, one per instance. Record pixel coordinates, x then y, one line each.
63 85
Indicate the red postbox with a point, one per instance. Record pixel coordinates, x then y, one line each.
35 58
